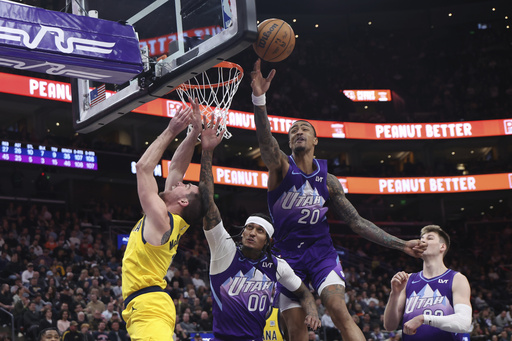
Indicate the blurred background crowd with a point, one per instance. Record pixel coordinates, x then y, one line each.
60 260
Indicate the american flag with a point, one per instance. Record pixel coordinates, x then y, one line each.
97 95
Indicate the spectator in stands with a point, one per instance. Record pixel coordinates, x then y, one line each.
31 321
107 313
331 332
6 302
63 323
14 267
84 329
377 333
106 294
118 288
39 302
72 334
198 281
501 320
95 305
27 274
186 324
185 275
96 319
205 324
101 333
181 335
117 334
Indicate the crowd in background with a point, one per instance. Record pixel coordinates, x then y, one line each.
57 270
445 74
62 268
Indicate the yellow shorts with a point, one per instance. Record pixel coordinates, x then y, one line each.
150 316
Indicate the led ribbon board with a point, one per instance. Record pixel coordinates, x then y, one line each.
48 155
68 45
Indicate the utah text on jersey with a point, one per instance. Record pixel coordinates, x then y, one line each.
428 300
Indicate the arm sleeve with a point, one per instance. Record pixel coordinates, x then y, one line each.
222 248
459 322
286 276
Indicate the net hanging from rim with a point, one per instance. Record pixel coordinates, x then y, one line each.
214 89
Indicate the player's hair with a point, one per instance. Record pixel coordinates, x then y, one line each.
314 130
195 210
267 248
445 238
42 332
267 218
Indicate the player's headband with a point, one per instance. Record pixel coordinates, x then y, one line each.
263 223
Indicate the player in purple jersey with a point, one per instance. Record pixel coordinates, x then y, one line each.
434 303
299 190
243 277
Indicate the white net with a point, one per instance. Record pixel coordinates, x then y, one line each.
214 89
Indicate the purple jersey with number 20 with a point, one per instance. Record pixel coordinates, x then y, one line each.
298 207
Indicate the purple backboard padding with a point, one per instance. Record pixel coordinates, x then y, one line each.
65 44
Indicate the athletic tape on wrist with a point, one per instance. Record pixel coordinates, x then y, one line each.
259 100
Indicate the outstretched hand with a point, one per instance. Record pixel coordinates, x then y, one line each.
260 84
195 117
210 138
415 247
181 120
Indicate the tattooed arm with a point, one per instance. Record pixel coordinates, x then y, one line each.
345 211
307 302
209 140
275 160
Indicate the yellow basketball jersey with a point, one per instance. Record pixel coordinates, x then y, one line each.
272 332
146 265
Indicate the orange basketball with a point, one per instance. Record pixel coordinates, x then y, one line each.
276 40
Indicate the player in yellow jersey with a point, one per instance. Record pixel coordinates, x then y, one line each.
148 311
272 331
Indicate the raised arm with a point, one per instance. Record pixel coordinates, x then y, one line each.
183 154
395 307
209 140
307 301
366 229
147 187
275 160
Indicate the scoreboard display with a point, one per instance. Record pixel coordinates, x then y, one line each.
48 155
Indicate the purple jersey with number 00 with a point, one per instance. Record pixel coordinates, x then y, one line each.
432 296
298 207
242 298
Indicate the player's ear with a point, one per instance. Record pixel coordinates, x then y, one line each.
315 141
183 202
442 248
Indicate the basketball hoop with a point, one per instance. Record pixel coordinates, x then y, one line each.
214 89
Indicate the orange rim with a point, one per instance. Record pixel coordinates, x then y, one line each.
223 64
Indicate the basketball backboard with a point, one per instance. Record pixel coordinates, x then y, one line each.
189 37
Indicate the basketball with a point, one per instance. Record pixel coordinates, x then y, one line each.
276 40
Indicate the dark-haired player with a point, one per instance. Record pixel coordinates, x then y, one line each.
299 192
243 276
